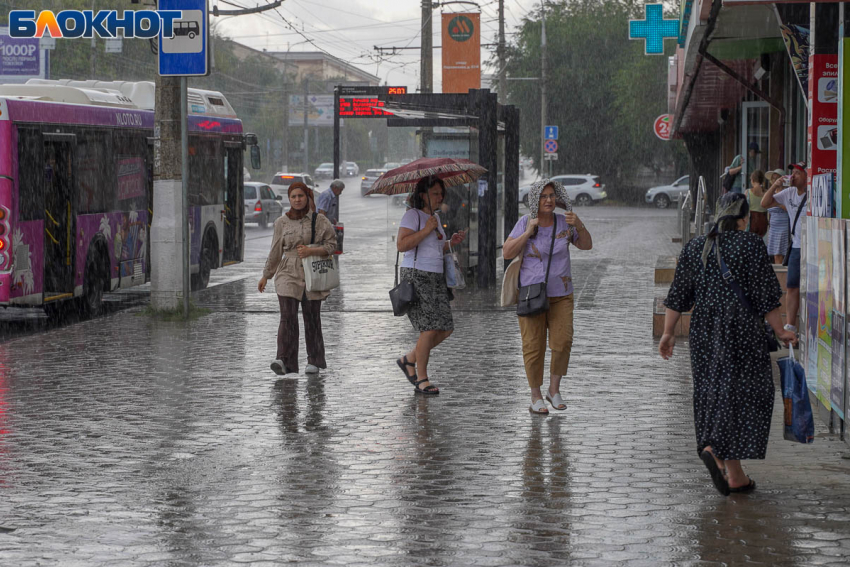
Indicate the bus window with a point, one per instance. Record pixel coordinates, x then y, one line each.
206 172
94 173
31 175
131 171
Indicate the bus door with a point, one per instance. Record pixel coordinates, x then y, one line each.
59 216
233 206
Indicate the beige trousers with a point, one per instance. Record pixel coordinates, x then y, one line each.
559 322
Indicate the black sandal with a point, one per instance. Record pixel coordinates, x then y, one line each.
402 363
744 489
429 390
717 477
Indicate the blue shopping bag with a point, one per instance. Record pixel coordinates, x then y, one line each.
799 422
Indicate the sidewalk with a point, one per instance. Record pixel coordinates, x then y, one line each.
132 442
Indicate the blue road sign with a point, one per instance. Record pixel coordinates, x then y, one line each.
186 54
654 29
551 133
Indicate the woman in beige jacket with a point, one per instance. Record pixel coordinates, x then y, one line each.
291 243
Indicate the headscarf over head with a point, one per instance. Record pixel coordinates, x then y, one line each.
537 189
733 206
311 206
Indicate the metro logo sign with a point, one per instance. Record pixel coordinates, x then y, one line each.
145 24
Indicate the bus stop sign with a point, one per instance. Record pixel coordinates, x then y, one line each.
186 54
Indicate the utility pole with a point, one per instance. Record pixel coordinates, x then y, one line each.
500 51
542 86
426 68
306 128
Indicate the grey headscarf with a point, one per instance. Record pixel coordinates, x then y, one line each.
731 207
537 189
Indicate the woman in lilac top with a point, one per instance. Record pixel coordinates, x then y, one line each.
532 237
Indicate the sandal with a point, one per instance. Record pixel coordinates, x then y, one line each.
744 489
716 472
430 389
402 363
539 407
557 401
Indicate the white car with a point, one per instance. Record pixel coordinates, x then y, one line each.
324 170
663 195
582 189
350 169
282 180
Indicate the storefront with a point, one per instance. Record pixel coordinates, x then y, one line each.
761 80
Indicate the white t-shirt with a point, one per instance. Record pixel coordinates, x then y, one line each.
430 256
792 201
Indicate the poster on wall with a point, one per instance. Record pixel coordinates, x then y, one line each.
825 304
823 114
811 303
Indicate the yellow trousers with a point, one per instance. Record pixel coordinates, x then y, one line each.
559 322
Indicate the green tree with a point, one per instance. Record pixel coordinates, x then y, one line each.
602 90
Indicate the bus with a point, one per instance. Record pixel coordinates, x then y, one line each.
76 185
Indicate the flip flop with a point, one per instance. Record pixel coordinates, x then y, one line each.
557 401
539 407
717 477
744 489
402 363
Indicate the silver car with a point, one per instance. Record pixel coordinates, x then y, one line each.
262 206
369 179
663 195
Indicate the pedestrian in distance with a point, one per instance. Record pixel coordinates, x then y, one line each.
532 237
758 214
778 223
328 202
793 198
730 356
422 240
300 233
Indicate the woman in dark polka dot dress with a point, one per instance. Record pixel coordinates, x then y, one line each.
730 359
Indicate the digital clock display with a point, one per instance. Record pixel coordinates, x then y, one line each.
396 90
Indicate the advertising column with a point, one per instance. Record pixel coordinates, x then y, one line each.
461 53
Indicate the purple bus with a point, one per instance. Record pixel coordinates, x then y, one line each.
76 180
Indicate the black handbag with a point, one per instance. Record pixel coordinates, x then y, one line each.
532 299
729 181
726 274
403 295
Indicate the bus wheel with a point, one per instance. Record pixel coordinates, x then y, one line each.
93 284
202 279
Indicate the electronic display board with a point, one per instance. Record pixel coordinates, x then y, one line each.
363 102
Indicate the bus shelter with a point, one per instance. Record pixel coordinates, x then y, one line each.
473 126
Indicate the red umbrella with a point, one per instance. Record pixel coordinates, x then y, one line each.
403 179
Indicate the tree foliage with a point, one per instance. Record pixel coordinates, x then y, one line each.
602 90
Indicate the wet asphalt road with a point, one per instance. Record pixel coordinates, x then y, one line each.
127 441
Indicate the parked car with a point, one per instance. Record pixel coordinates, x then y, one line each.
663 195
281 182
325 170
262 206
369 179
351 169
582 189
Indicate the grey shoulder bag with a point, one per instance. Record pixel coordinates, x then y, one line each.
403 295
532 299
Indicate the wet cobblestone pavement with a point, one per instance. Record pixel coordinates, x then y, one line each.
126 441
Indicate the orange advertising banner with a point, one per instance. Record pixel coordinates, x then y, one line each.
461 52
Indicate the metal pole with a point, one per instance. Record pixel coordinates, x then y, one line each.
306 129
426 64
503 83
184 143
542 86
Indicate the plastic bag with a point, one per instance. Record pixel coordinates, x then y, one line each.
454 273
799 422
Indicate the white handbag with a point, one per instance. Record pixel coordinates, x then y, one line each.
321 273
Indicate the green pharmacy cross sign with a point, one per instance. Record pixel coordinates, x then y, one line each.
654 29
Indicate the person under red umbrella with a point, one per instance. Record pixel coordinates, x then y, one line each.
423 242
